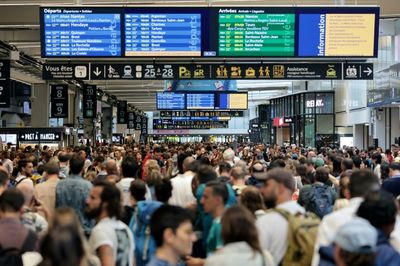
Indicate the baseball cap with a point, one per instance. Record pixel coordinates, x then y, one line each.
258 170
295 156
357 236
319 162
280 175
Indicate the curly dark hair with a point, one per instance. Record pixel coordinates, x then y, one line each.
112 196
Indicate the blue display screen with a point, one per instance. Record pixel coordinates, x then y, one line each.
200 101
223 101
162 34
81 33
170 101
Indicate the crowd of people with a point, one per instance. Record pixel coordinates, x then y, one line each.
199 204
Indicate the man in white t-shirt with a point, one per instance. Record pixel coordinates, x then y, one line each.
111 240
272 227
182 194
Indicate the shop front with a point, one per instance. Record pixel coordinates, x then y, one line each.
23 137
306 119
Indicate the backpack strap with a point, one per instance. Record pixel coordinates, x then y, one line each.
29 241
284 213
18 182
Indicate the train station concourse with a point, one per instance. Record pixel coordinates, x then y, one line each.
199 132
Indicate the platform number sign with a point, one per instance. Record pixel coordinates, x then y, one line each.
144 125
131 120
89 103
5 84
59 101
122 112
138 122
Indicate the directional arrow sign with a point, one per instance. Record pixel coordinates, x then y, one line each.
368 71
97 72
358 71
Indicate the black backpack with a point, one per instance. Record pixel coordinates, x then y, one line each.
13 256
320 200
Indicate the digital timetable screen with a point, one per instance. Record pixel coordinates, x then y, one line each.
200 101
170 101
162 34
246 33
209 32
81 32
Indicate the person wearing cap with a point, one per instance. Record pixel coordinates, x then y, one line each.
355 244
380 210
257 170
319 162
272 227
392 184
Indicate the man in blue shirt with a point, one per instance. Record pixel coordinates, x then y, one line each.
379 208
392 184
74 190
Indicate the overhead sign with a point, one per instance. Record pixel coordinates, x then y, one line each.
112 71
288 120
54 71
188 124
144 125
4 84
81 32
358 71
138 122
36 136
256 33
131 120
277 71
256 70
200 85
59 101
89 102
122 110
167 34
209 32
201 113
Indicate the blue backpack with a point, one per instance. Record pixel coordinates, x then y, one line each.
320 200
145 247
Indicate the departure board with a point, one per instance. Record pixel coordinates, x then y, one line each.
256 34
80 32
170 101
163 34
200 101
